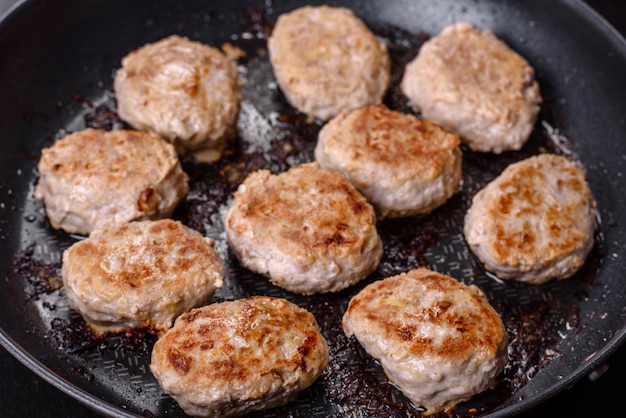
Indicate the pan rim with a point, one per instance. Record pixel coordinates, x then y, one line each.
618 339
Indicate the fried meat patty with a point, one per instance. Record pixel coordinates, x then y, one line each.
326 60
403 165
96 179
234 357
473 84
140 274
535 222
437 339
186 91
308 229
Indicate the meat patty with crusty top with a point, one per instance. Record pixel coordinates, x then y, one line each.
235 357
438 340
473 84
95 179
403 165
140 274
185 91
326 61
308 229
535 222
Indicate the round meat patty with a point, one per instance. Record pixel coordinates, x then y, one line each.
96 179
187 92
473 84
535 222
438 340
140 274
326 61
231 358
404 166
308 229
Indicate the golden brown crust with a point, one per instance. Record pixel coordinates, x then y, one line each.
395 305
235 357
308 229
93 179
403 165
140 274
327 61
526 185
535 221
475 85
107 157
437 339
392 141
280 207
186 91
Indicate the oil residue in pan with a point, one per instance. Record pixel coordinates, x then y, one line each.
273 136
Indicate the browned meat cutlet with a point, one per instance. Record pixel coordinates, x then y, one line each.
95 179
403 165
326 61
308 229
437 339
186 91
231 358
535 222
140 274
473 84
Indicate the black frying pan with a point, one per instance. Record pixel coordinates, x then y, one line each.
57 60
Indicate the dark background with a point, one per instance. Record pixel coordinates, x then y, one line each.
24 394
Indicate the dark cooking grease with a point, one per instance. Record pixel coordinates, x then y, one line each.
40 277
73 335
274 136
353 379
529 351
103 117
404 246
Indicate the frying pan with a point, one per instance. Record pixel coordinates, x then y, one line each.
56 65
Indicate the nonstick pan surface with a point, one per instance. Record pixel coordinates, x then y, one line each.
56 65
